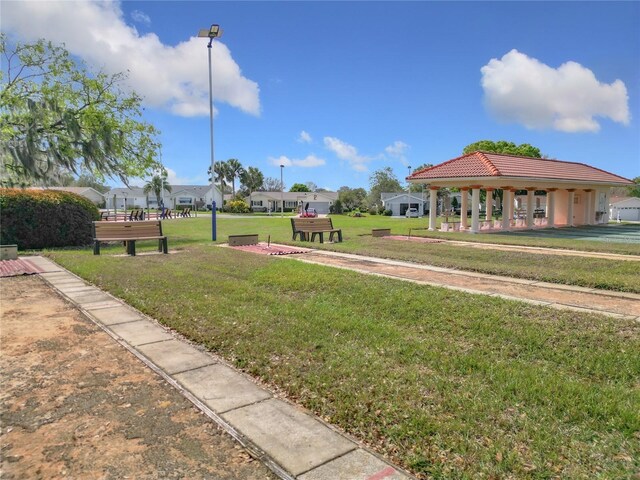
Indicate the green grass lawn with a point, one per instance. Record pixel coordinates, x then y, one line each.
587 272
447 384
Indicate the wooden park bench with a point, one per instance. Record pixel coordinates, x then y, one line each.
308 228
128 232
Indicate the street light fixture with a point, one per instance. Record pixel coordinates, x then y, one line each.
281 193
214 32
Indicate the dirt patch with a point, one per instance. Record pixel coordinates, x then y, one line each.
75 404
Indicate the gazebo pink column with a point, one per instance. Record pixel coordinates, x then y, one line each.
570 206
475 213
530 206
433 207
464 206
589 210
507 207
489 203
551 207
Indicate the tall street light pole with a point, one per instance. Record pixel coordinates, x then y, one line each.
409 191
281 193
213 32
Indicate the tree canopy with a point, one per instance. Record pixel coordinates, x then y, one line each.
503 146
251 180
272 184
634 190
299 187
352 198
157 184
383 180
57 117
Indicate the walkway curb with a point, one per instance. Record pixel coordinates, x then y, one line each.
290 441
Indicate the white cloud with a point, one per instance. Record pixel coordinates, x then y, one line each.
347 152
309 161
398 150
140 17
304 137
171 77
521 89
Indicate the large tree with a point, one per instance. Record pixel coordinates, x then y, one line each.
156 185
634 190
251 180
272 184
221 176
503 146
57 117
380 181
299 187
234 170
351 198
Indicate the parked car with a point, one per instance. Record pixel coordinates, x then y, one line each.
412 213
309 213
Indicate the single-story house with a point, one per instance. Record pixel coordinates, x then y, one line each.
624 208
180 196
400 202
272 201
576 194
87 192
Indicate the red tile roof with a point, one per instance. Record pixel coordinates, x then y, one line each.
486 164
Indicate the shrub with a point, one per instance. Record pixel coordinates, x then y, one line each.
237 206
35 219
387 213
373 211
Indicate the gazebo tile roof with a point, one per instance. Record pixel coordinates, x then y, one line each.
486 164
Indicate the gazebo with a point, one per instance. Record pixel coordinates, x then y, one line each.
577 194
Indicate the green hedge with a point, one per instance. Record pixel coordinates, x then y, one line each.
35 219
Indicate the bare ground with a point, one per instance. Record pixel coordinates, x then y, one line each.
75 404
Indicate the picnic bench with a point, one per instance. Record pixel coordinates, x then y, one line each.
308 228
128 232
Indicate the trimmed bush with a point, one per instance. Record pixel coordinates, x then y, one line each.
35 219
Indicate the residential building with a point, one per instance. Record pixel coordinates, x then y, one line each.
625 209
293 201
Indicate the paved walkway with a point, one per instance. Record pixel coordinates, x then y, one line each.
287 439
546 250
590 300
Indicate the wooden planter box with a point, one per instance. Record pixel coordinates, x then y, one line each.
239 240
8 252
380 232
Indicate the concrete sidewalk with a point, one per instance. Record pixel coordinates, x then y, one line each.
563 297
290 441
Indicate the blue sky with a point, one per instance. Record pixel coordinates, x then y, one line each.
372 84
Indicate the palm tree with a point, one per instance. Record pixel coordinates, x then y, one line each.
251 179
157 184
235 169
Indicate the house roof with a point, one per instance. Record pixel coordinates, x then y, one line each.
617 201
387 196
486 164
295 196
